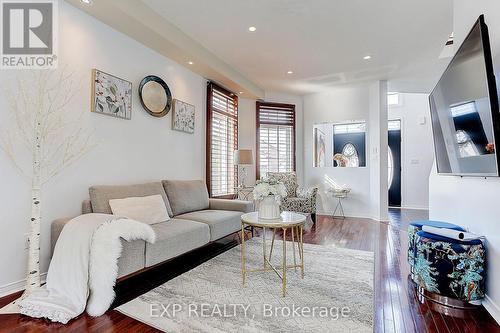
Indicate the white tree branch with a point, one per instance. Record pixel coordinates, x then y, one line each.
48 131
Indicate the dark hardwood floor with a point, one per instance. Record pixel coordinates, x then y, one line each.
397 308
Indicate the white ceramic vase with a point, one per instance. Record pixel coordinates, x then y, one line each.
269 208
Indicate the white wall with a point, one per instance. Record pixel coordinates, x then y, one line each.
129 151
417 151
247 130
473 202
339 105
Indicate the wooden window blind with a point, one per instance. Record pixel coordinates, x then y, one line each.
222 141
275 138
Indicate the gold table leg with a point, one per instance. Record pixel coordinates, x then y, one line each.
298 241
302 251
293 246
264 244
284 262
243 270
272 244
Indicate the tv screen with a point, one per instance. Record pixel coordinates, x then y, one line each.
464 110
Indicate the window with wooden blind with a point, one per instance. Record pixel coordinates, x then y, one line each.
275 138
222 141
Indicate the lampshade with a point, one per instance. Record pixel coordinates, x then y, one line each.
243 157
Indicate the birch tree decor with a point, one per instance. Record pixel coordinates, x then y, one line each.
46 137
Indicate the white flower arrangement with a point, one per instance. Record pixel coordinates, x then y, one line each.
268 187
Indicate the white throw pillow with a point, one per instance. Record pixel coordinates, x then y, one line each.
150 209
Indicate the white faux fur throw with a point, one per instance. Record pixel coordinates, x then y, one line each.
85 261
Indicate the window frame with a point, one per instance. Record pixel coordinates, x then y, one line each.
289 107
394 93
208 159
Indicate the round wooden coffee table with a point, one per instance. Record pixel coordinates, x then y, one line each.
288 220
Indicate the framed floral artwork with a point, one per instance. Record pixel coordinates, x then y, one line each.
111 95
319 148
183 117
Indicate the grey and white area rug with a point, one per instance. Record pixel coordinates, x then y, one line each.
336 294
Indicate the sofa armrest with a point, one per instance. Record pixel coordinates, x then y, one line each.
236 205
86 206
55 230
310 195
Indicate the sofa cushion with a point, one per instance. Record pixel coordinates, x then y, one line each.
186 195
174 238
132 257
101 194
221 222
150 209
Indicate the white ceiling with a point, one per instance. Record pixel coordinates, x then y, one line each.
322 41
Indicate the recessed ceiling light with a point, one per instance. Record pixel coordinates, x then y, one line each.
241 92
367 57
289 72
86 2
252 29
190 62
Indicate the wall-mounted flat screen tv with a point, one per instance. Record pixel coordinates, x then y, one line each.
464 110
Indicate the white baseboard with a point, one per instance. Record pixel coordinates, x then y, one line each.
16 286
492 308
415 207
355 216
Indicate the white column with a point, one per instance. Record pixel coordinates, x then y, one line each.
378 146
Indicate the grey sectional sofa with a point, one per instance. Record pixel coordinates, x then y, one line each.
195 220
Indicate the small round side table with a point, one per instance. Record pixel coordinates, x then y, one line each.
339 195
288 220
